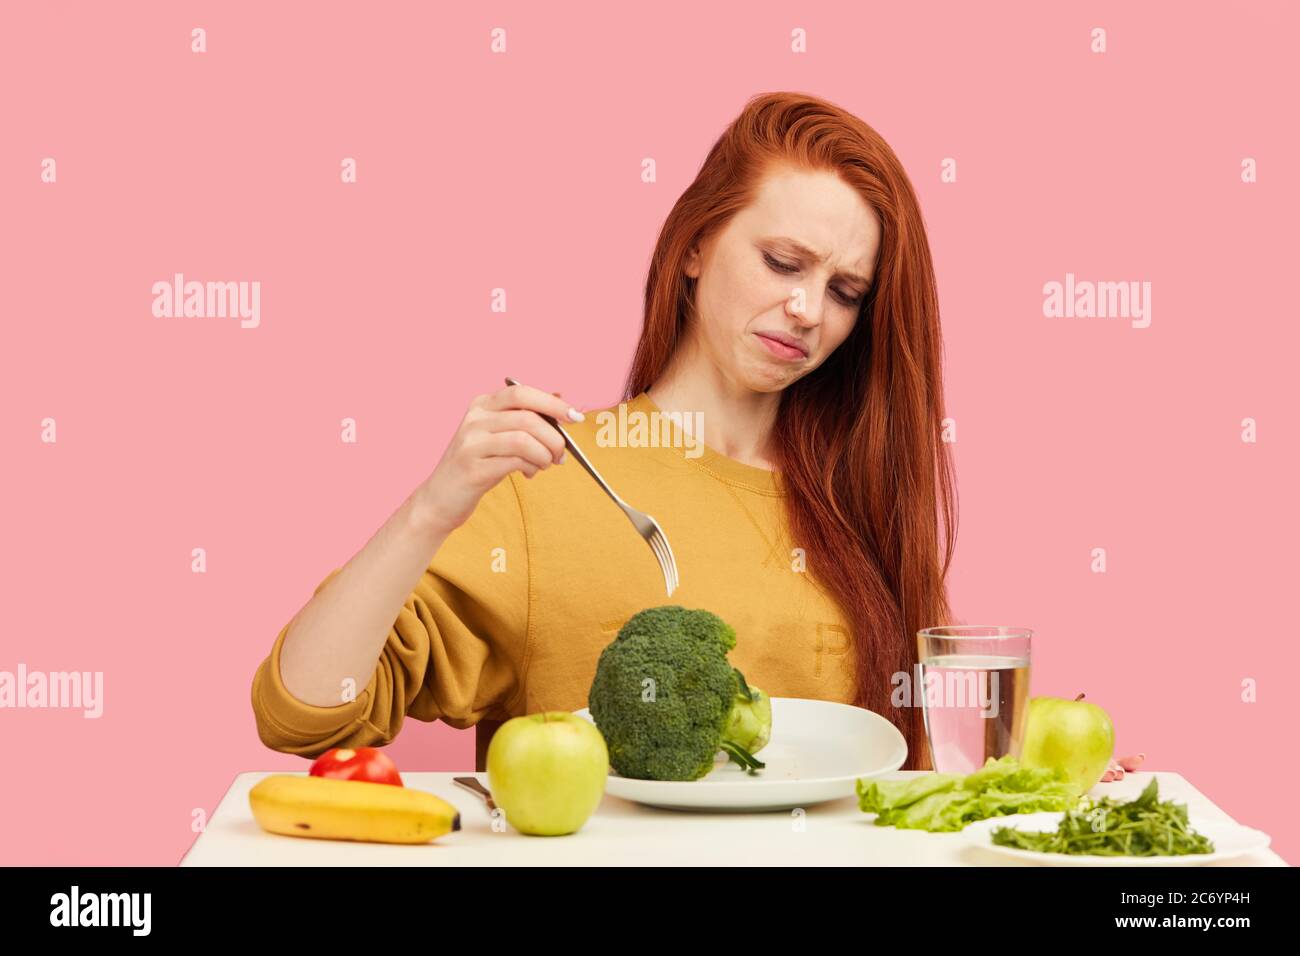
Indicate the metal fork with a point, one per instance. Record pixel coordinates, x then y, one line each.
473 786
645 525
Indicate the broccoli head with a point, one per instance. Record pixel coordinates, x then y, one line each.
666 699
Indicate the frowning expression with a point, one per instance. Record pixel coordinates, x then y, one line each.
781 285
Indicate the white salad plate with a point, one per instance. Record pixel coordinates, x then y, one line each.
818 750
1230 840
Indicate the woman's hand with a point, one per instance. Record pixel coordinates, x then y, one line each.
500 433
1118 767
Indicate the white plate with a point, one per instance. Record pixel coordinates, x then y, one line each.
1229 839
818 750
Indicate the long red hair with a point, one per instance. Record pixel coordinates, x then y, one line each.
857 441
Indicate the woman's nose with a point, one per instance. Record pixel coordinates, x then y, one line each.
803 308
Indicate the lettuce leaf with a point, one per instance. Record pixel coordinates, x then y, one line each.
941 802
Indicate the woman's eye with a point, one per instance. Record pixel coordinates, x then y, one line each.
782 267
786 268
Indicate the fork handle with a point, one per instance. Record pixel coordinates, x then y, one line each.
577 453
473 786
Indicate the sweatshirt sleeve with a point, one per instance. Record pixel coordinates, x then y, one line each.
456 652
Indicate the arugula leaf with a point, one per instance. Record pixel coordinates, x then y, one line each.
1145 826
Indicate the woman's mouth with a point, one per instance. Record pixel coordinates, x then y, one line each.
783 347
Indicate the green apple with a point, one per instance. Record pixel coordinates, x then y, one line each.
1071 734
547 771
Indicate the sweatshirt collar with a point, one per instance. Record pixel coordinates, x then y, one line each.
725 469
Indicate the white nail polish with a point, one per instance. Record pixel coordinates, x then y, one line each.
576 416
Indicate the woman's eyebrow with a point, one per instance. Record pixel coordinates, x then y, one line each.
811 253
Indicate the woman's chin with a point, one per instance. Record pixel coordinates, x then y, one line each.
769 378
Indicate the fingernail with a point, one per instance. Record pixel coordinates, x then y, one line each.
561 459
576 416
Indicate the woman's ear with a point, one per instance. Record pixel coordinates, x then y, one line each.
692 264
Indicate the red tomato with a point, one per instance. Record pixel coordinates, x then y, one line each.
363 763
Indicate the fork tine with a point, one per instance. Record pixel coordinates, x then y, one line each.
672 561
668 562
671 565
657 547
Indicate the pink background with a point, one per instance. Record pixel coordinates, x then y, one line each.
522 171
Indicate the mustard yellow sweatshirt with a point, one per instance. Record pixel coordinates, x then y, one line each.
512 613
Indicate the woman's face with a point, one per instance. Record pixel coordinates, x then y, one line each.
779 287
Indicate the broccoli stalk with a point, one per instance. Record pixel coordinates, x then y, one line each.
667 700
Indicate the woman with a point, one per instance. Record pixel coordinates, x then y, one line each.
792 327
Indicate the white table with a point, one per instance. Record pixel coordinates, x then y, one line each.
836 833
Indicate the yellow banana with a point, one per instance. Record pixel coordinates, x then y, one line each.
349 810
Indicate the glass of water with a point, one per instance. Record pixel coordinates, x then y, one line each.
974 691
